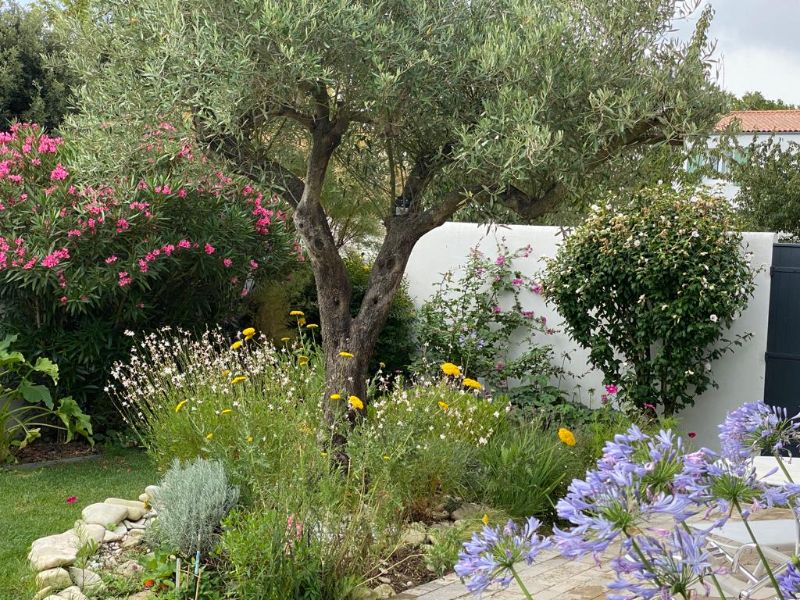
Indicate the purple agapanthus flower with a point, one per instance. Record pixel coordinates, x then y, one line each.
756 427
489 557
660 566
789 581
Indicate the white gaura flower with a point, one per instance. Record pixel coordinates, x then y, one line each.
714 318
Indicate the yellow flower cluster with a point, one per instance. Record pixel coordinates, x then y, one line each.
566 436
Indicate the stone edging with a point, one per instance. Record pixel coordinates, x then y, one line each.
53 557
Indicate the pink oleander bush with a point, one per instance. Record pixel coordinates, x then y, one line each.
81 263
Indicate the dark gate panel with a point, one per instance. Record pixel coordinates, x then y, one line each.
782 379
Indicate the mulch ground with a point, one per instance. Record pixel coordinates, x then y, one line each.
42 451
404 570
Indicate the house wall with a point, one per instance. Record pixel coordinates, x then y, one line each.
740 374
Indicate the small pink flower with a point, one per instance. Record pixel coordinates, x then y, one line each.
143 266
111 259
122 225
612 389
650 406
496 309
124 279
537 288
209 249
253 264
184 244
72 500
59 173
63 299
528 314
516 281
500 260
227 262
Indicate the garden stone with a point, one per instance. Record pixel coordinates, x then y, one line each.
104 514
116 535
88 581
54 598
383 591
72 593
54 551
144 499
138 524
136 509
92 531
53 579
145 595
413 535
129 569
133 539
44 593
152 491
469 510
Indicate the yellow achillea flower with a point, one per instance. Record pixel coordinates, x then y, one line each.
236 345
323 454
250 331
485 519
471 383
180 405
249 439
386 457
356 402
225 411
301 321
336 396
238 379
297 313
226 372
210 436
443 405
285 339
312 326
450 369
566 436
345 354
247 338
302 360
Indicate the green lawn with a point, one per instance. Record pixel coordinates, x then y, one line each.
33 504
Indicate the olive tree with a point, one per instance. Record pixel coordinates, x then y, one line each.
431 106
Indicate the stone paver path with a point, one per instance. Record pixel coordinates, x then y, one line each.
550 578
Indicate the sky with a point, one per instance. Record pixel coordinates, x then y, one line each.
757 42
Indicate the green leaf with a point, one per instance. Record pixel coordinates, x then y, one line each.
74 419
35 394
48 367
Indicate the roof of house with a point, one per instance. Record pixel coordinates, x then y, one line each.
762 121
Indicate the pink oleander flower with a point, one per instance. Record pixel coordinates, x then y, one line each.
124 279
143 266
168 249
111 259
181 193
59 173
253 264
63 299
227 262
209 249
184 244
122 225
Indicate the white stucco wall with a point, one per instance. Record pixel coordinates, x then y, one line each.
740 374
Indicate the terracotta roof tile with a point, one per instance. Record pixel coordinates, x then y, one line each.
762 121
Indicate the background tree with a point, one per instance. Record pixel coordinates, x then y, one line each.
756 101
35 84
434 105
768 176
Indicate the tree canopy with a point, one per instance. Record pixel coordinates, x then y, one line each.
426 107
31 89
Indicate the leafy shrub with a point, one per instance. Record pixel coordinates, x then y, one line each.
274 556
650 288
27 406
524 469
395 347
81 264
477 320
191 502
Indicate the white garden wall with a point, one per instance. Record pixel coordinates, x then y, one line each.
740 374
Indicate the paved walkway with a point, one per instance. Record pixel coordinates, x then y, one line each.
550 578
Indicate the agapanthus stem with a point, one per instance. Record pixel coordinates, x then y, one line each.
783 468
711 573
520 584
760 552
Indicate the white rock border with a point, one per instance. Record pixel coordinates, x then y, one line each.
114 520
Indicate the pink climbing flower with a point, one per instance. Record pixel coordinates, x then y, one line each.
496 309
612 389
516 281
500 260
59 173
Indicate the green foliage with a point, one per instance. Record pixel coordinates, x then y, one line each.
650 289
395 346
416 444
755 100
191 502
768 177
35 83
524 469
27 406
275 556
80 265
477 321
446 543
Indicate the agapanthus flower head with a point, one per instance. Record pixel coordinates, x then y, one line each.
789 580
756 427
489 557
660 566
